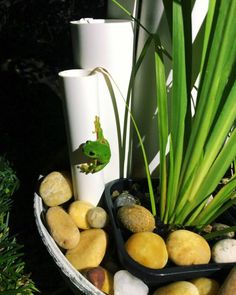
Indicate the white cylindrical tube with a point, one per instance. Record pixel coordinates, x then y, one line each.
107 44
80 105
144 105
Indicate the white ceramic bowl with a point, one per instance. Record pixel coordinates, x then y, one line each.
77 282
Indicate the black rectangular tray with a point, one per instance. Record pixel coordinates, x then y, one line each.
153 277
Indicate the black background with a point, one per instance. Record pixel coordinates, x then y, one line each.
35 45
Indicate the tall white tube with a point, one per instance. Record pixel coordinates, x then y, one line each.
107 44
80 107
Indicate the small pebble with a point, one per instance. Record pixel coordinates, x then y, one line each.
115 194
221 226
96 276
224 251
97 217
125 199
127 284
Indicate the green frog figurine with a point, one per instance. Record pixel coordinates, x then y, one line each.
98 151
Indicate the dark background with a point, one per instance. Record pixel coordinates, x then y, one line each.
35 45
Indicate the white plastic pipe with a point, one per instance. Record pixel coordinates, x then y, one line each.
80 107
107 44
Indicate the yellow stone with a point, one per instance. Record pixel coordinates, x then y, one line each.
90 251
206 286
62 228
56 188
108 284
186 248
178 288
78 211
148 249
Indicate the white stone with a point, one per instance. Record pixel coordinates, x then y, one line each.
224 251
126 284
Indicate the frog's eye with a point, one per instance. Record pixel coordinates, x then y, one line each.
91 153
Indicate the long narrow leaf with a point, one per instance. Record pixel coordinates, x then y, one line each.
162 124
187 9
134 71
169 216
208 27
148 175
179 100
221 164
108 78
226 193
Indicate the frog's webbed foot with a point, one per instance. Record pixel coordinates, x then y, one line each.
84 168
87 168
91 167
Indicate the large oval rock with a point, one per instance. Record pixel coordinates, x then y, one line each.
186 248
224 251
56 188
62 228
90 250
136 218
148 249
178 288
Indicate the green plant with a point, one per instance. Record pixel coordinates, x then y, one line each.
12 277
202 145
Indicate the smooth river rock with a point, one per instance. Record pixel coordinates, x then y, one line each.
178 288
206 286
90 250
127 284
224 251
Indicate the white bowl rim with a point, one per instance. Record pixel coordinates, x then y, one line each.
74 276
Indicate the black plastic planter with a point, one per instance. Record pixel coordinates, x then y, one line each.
152 277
